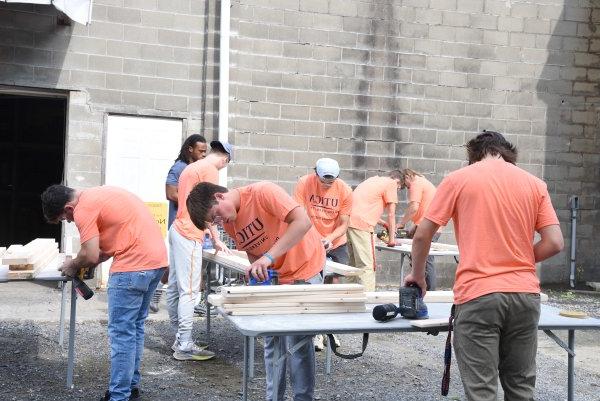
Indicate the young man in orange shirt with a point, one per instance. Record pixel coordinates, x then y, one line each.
369 199
328 202
185 247
420 195
192 149
276 233
497 208
113 222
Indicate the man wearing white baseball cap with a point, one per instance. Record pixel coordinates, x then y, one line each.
328 203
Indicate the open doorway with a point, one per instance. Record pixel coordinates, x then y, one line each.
32 157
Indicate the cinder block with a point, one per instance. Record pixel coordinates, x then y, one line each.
123 49
342 7
276 95
469 35
313 36
308 128
471 6
523 10
483 21
267 47
266 110
310 98
495 38
456 19
140 34
453 79
314 6
510 24
338 130
297 19
295 143
321 83
172 70
428 16
311 67
277 157
106 30
253 30
283 33
327 53
297 50
250 124
260 78
124 15
443 4
505 112
173 38
164 86
445 33
171 103
88 79
326 21
296 81
103 96
295 112
140 67
326 145
180 6
268 16
342 39
155 52
106 64
155 19
412 30
534 25
81 44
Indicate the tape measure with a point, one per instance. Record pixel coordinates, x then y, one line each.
573 313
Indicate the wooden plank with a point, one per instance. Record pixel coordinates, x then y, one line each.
279 305
385 297
15 255
2 250
20 274
427 323
299 294
302 288
299 310
294 298
239 262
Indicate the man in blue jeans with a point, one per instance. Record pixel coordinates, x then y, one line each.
113 222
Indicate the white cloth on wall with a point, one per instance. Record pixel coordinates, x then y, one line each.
78 10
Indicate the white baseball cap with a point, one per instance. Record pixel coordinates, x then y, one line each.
327 167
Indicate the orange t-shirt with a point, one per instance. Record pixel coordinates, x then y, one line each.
496 208
369 199
195 173
324 205
260 222
422 191
126 229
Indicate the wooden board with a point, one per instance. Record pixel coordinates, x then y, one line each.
427 323
301 288
385 297
2 250
239 262
15 255
298 310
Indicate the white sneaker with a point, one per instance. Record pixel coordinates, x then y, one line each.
199 346
196 353
318 342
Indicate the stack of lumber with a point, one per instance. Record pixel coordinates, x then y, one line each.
239 261
290 299
24 261
393 297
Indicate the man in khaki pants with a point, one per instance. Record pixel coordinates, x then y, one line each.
370 198
497 208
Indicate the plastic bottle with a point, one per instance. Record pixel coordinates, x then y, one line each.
207 244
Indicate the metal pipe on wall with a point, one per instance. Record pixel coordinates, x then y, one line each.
574 204
224 80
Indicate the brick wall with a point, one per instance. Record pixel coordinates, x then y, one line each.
383 85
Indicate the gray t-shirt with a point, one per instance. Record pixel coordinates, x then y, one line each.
173 179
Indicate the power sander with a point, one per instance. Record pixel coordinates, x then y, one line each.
411 306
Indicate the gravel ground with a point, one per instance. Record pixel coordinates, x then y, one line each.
395 366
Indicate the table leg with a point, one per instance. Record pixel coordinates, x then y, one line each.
401 269
71 357
63 304
276 356
252 341
206 292
247 346
571 367
328 358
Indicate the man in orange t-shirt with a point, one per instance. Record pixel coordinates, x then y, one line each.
185 251
497 208
370 198
275 232
328 202
113 222
420 195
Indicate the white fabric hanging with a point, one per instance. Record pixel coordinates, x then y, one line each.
78 10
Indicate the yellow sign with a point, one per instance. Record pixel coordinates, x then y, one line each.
160 211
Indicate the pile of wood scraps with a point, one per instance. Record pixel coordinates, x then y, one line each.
25 261
290 299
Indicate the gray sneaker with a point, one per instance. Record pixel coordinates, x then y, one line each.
198 346
200 309
194 354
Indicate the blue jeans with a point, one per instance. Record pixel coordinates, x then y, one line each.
129 295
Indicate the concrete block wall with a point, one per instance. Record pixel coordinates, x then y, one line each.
138 57
382 85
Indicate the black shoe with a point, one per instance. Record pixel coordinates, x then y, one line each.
135 395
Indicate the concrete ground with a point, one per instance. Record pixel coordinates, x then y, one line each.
395 366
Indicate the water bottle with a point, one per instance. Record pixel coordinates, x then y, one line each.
207 244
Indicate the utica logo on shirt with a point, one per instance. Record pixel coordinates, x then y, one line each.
323 201
251 236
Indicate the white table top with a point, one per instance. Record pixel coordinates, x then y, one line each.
47 273
305 324
407 249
